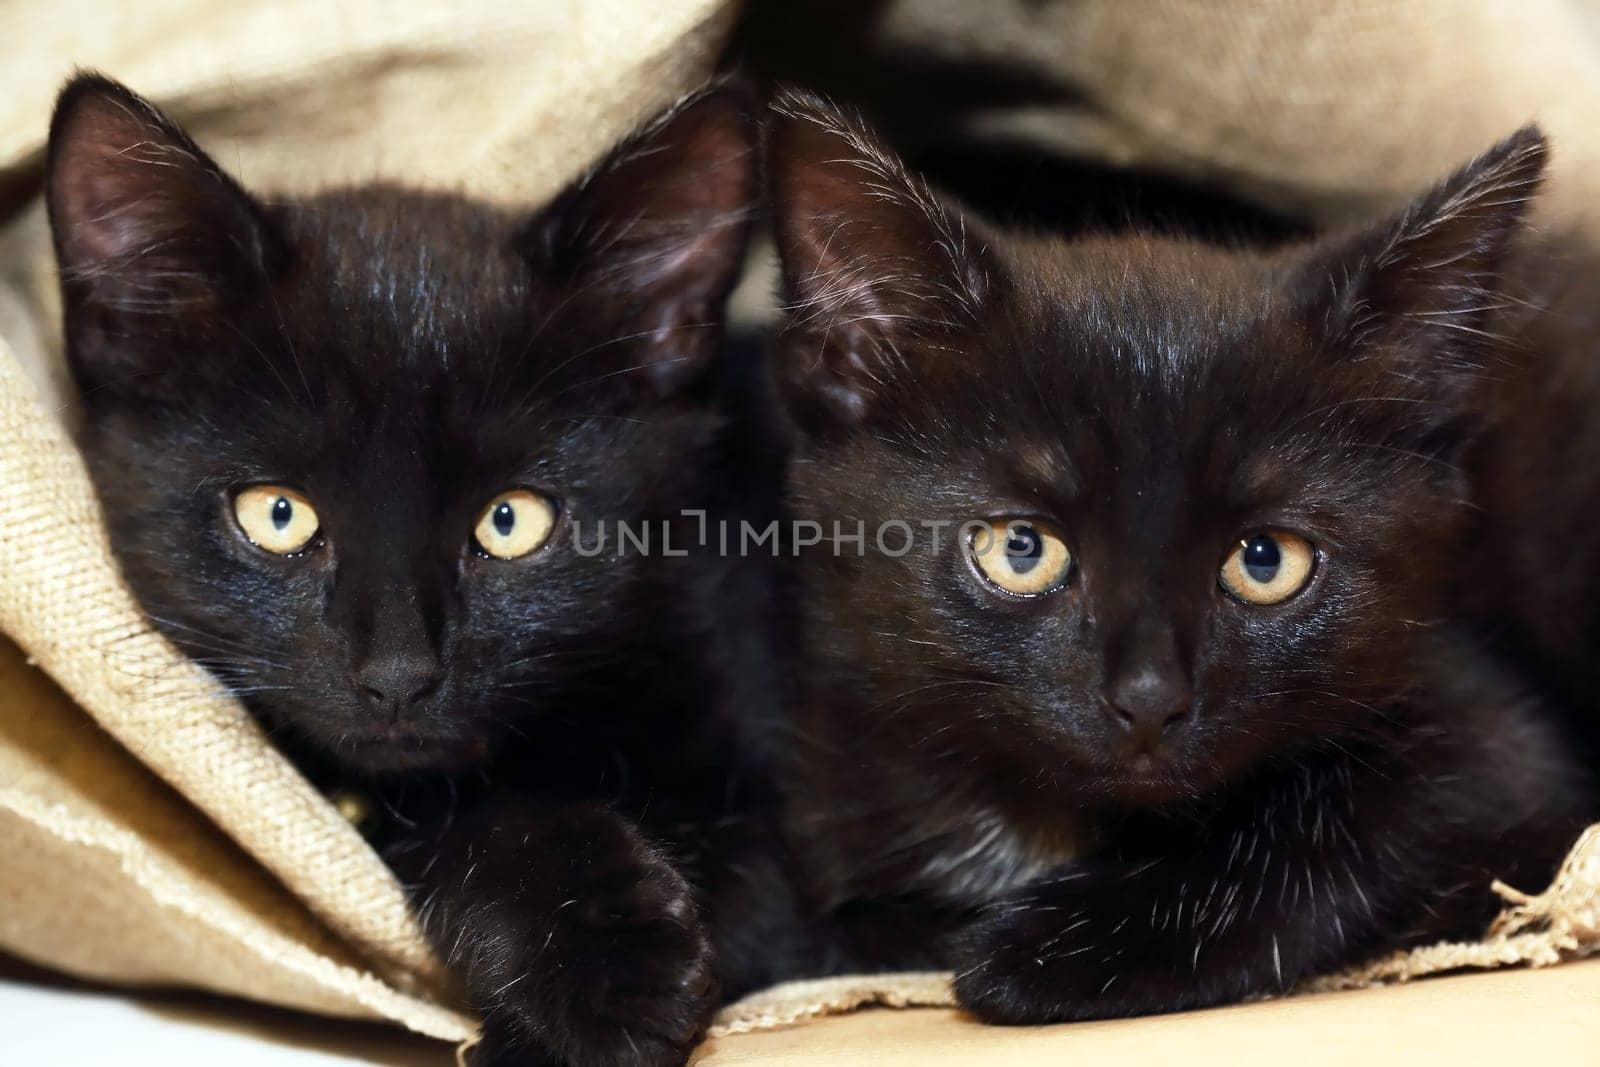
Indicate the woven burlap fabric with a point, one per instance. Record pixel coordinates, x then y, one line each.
1323 108
149 832
61 601
507 102
111 875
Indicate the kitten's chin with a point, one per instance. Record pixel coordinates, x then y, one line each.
378 752
365 747
384 755
1147 780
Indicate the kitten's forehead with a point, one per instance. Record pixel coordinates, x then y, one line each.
1162 310
374 359
405 282
1153 370
1140 344
414 357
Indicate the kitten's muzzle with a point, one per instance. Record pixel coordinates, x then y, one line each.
1145 708
392 685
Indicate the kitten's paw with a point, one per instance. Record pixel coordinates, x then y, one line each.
502 1045
627 963
1028 962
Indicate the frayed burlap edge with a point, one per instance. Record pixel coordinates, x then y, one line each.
795 1002
1560 924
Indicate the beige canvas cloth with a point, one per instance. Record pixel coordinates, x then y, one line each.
1333 109
149 833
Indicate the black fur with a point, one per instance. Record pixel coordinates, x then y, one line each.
563 722
1327 778
1533 585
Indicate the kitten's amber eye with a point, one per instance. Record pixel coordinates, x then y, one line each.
1268 567
514 524
276 518
1020 556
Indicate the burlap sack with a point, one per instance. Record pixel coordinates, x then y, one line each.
155 835
149 832
1330 109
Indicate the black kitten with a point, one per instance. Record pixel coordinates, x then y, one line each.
357 451
1535 584
1162 707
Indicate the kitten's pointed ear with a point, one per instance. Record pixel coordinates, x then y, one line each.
144 222
1425 284
874 265
650 244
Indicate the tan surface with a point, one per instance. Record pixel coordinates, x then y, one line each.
1507 1017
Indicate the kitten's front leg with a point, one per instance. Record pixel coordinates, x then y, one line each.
1292 880
1107 939
575 938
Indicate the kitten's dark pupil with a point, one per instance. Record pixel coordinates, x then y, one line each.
1024 548
504 519
282 512
1262 558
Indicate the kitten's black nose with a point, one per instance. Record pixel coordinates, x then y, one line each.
391 684
1146 703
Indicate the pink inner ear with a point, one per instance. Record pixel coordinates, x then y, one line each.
683 259
1447 249
653 241
675 206
109 175
117 222
683 337
138 208
828 218
879 274
868 250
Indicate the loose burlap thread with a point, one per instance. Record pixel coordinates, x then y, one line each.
152 834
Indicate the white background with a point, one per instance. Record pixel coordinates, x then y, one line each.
50 1022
